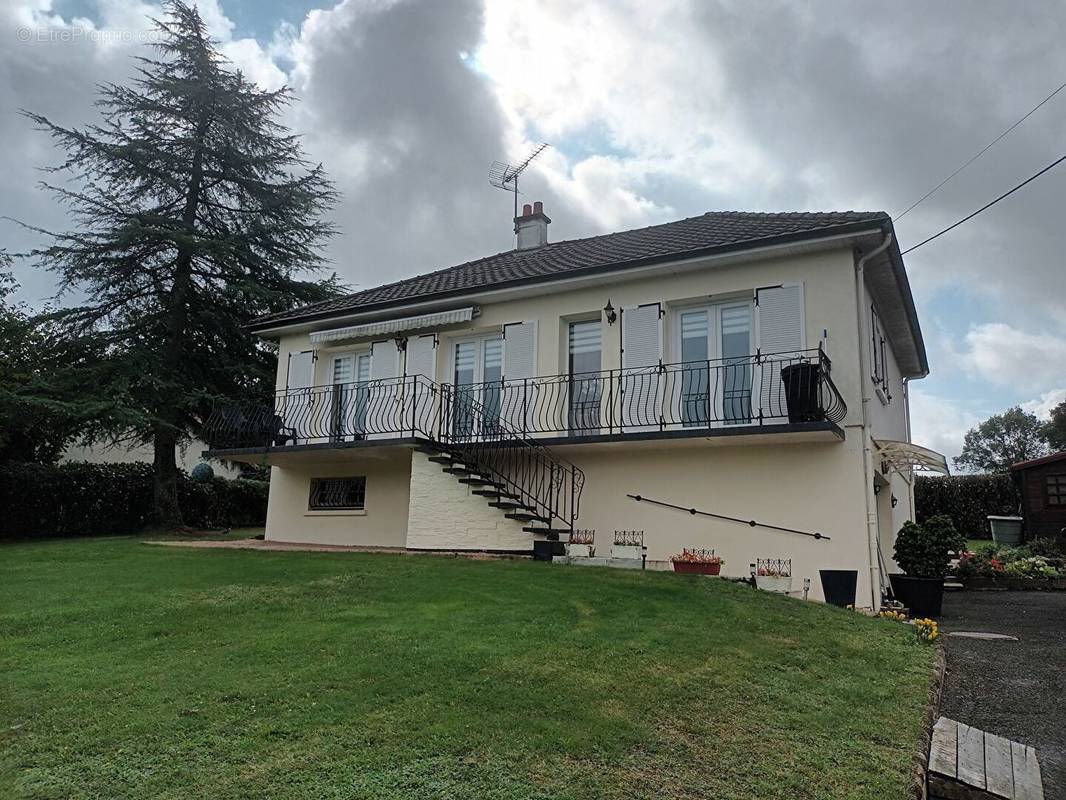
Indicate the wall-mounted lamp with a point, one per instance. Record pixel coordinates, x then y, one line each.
894 501
612 315
401 344
877 488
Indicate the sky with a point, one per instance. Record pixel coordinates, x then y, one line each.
655 111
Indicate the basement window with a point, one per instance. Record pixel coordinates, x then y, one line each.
1056 490
337 494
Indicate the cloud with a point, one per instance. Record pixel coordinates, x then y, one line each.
939 423
1043 405
1002 354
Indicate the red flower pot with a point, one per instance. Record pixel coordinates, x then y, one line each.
697 568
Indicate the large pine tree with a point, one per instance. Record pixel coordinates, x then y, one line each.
194 210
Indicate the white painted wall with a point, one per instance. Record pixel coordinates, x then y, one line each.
444 515
383 523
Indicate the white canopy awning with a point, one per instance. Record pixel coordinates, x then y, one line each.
387 326
905 455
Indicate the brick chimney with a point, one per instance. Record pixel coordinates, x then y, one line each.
532 226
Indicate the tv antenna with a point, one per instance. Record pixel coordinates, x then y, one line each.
505 176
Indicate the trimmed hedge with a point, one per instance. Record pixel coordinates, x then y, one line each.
967 499
82 499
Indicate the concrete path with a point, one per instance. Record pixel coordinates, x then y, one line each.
299 547
1016 689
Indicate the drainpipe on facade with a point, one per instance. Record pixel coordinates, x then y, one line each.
867 439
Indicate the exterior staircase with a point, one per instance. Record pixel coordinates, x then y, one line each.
515 474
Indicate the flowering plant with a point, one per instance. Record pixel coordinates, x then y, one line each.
1032 567
926 630
899 616
698 557
770 572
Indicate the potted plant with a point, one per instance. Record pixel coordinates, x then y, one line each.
628 544
774 575
697 562
582 543
923 553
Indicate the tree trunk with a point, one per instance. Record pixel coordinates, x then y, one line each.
165 507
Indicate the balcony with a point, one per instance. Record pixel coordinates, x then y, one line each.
767 394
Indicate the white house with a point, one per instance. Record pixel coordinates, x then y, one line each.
752 366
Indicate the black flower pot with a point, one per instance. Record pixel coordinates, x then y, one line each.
838 586
801 383
923 597
543 550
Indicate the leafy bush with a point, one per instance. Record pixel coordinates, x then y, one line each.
922 550
81 499
1047 546
1031 567
967 499
202 472
995 561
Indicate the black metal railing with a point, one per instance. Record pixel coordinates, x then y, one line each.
761 389
342 412
523 468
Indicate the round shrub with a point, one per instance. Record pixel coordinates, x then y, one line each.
922 550
202 472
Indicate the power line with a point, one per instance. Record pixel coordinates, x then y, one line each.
974 158
1030 179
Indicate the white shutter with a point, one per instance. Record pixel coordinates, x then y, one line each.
642 380
520 391
385 360
779 338
779 319
422 356
297 407
383 409
421 372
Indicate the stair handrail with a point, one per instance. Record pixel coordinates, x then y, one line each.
548 482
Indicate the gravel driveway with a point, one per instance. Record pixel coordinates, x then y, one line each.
1014 689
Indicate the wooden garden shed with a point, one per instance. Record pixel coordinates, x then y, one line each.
1042 484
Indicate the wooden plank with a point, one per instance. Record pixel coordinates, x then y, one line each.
999 772
971 756
1027 782
943 751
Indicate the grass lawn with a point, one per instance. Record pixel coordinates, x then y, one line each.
135 671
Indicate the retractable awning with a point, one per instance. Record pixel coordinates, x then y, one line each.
905 455
387 326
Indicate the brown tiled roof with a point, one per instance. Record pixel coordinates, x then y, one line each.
715 231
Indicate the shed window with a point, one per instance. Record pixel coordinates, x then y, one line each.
337 494
1056 490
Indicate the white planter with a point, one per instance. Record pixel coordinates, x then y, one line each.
774 583
579 550
626 551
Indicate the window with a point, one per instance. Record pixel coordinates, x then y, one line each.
879 355
1056 490
337 494
585 378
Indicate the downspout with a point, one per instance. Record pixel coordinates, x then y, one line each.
873 539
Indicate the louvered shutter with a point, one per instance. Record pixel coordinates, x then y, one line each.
779 338
419 383
297 407
642 353
520 391
383 411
